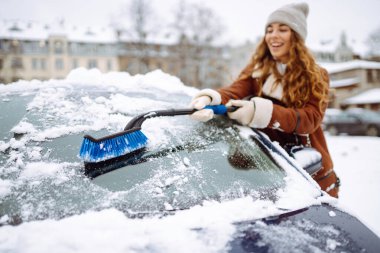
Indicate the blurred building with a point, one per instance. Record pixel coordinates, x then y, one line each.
197 66
352 80
339 49
31 50
36 51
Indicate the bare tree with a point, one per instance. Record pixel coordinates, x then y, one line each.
183 49
205 26
139 13
136 23
196 27
373 43
192 58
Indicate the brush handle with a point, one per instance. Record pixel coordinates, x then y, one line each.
221 109
137 121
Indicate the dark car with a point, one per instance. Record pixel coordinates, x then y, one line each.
353 122
195 187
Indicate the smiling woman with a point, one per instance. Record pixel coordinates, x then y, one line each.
282 90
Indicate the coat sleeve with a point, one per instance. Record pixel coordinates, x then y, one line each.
285 119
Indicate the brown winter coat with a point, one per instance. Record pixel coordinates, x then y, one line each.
310 123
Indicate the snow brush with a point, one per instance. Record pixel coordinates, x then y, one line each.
131 138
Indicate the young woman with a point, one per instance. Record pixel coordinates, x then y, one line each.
287 91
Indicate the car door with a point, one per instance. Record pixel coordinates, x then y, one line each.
357 126
349 124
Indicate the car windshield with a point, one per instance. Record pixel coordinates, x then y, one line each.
208 162
185 163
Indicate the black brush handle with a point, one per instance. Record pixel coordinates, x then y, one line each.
137 121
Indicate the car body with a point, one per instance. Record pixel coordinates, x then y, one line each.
215 186
355 121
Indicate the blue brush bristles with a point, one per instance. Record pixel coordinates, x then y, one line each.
92 151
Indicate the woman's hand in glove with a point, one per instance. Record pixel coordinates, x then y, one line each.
255 113
203 98
200 102
244 115
203 114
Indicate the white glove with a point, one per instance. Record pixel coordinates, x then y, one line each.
201 115
263 112
244 115
203 98
200 102
256 113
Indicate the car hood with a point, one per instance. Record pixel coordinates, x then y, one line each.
320 228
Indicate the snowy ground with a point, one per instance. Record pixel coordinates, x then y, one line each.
357 163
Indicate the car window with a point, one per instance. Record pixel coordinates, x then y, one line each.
345 117
212 162
368 116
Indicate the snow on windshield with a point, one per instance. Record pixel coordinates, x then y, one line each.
62 209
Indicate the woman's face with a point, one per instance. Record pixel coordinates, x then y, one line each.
277 38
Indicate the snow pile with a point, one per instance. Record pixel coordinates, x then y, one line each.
112 81
306 157
5 187
41 170
122 80
23 128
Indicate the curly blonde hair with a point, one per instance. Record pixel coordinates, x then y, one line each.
302 79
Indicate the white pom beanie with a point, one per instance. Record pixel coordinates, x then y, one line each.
292 15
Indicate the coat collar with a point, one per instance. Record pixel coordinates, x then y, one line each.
281 67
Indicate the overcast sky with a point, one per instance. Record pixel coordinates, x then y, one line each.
244 19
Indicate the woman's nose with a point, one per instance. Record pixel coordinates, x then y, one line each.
274 33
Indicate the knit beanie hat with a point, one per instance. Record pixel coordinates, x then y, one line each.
292 15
